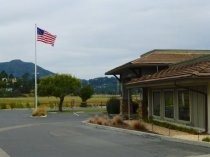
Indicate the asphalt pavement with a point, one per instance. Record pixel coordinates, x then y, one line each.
64 135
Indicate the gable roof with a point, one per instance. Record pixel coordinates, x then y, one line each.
160 57
195 68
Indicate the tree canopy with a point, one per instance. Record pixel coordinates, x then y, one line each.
59 86
85 93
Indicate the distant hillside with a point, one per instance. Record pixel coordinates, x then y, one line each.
103 85
17 68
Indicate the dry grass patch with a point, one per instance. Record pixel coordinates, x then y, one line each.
117 120
100 120
137 125
40 111
104 120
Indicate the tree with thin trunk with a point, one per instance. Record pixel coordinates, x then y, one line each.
85 93
59 86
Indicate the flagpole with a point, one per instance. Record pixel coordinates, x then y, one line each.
35 69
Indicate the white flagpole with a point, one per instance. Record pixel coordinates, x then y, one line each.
35 69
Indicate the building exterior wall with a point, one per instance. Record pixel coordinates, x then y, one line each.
197 106
208 107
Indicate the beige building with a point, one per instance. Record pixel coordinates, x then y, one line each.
175 85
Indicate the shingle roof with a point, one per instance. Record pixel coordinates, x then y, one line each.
199 67
160 57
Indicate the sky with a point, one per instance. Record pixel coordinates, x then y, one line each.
95 36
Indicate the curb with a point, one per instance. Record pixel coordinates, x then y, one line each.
146 134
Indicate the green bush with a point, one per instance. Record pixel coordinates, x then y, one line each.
113 106
28 105
51 105
206 139
12 105
3 106
83 104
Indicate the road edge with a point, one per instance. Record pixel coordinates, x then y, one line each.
3 153
146 134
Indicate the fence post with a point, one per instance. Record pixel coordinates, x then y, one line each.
169 131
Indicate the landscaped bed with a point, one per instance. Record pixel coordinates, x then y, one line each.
117 121
141 125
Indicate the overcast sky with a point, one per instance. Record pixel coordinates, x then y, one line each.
94 36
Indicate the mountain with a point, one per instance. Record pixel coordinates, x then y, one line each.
103 85
18 68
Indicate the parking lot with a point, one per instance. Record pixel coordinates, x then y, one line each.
64 135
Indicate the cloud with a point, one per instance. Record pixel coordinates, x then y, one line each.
94 36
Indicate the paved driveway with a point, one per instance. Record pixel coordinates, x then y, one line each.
63 135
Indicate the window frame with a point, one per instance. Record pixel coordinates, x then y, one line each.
169 118
180 120
155 91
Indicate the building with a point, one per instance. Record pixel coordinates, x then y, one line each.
175 86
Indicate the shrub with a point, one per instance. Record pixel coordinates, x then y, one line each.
19 105
100 120
95 120
113 106
40 111
28 105
206 139
3 106
83 104
136 125
12 105
117 120
51 105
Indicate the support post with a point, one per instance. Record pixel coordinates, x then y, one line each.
35 70
129 105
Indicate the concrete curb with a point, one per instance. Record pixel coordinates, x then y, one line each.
146 134
3 153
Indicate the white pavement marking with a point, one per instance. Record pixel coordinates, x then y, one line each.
16 127
3 153
77 113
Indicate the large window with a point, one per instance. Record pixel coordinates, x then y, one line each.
156 103
184 107
169 104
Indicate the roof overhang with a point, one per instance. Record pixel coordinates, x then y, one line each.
158 57
170 81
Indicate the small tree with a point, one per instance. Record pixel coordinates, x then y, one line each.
85 93
58 86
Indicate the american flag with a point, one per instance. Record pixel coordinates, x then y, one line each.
45 36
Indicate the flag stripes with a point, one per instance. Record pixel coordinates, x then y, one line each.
45 36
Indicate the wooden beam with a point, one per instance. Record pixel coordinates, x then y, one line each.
117 78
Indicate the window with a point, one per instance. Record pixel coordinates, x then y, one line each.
156 103
169 104
184 106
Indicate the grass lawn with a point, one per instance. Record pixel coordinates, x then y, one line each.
52 102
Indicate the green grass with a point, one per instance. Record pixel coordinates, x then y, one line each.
206 139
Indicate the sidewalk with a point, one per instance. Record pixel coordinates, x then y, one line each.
173 133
